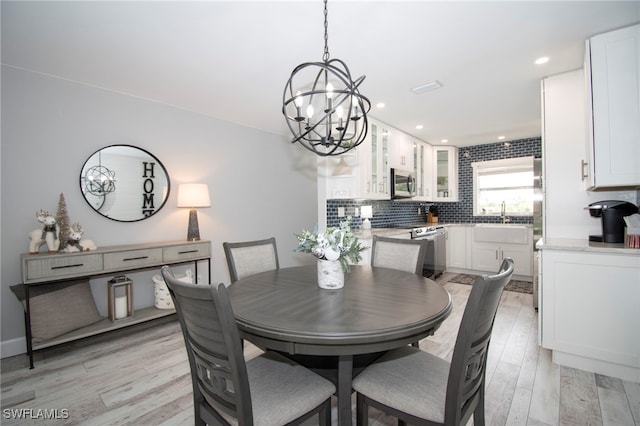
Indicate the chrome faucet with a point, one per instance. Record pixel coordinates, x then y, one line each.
503 211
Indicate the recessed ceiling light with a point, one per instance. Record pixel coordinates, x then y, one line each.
419 127
444 140
380 105
542 60
500 138
427 87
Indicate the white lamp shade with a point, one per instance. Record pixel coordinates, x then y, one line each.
366 212
193 195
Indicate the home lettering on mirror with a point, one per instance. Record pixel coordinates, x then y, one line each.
148 174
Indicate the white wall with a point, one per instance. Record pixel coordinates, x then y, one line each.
260 184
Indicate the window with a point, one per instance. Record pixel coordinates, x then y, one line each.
503 186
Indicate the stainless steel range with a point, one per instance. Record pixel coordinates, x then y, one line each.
435 260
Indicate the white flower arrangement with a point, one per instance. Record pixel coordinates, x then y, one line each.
334 244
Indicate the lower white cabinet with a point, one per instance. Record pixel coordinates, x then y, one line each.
489 256
458 251
589 311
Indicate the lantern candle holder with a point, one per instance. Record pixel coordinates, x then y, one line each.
120 298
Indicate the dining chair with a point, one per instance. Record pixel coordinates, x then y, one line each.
398 253
251 257
267 390
419 388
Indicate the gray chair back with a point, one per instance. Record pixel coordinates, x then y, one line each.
465 386
267 390
218 370
397 253
251 257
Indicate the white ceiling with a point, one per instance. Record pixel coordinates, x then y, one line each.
231 59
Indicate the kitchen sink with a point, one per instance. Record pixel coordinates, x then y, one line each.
499 233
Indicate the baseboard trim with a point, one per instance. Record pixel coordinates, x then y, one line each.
13 347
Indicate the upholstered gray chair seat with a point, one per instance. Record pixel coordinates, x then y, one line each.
297 392
418 380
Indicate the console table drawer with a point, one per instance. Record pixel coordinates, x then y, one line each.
132 259
54 267
186 252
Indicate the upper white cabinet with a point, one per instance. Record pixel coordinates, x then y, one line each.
423 171
362 172
612 69
445 173
374 163
402 154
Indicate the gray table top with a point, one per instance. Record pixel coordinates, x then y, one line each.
377 309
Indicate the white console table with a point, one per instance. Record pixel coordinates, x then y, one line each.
45 268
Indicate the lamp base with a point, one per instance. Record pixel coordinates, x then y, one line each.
366 224
193 232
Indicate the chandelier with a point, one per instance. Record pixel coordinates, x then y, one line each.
99 180
323 107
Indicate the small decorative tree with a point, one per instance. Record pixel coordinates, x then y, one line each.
62 219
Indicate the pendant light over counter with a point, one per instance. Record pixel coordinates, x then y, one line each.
323 106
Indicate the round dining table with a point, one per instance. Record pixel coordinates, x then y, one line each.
336 332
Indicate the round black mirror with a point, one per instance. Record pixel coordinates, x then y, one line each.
124 183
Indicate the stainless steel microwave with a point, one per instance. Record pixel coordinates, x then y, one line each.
403 184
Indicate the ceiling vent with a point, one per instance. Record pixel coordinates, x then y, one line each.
427 87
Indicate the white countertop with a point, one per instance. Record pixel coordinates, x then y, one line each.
585 245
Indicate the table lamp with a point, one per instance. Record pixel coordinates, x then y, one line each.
366 212
193 195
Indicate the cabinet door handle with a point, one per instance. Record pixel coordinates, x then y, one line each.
135 258
584 169
68 266
188 251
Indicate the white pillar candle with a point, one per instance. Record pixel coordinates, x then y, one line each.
121 307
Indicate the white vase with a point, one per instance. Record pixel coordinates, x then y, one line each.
330 274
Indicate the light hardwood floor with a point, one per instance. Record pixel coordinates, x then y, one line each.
141 376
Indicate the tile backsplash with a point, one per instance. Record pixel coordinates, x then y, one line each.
388 213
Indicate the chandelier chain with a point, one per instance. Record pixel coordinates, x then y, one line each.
325 56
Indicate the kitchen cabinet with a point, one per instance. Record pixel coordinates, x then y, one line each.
362 172
340 175
612 69
493 243
402 151
489 256
445 173
458 249
423 171
374 163
563 137
589 310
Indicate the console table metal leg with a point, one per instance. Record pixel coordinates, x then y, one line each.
27 326
345 378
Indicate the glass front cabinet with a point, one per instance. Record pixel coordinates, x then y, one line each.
423 171
362 172
445 173
374 162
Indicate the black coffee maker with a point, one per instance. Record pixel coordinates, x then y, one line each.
611 213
